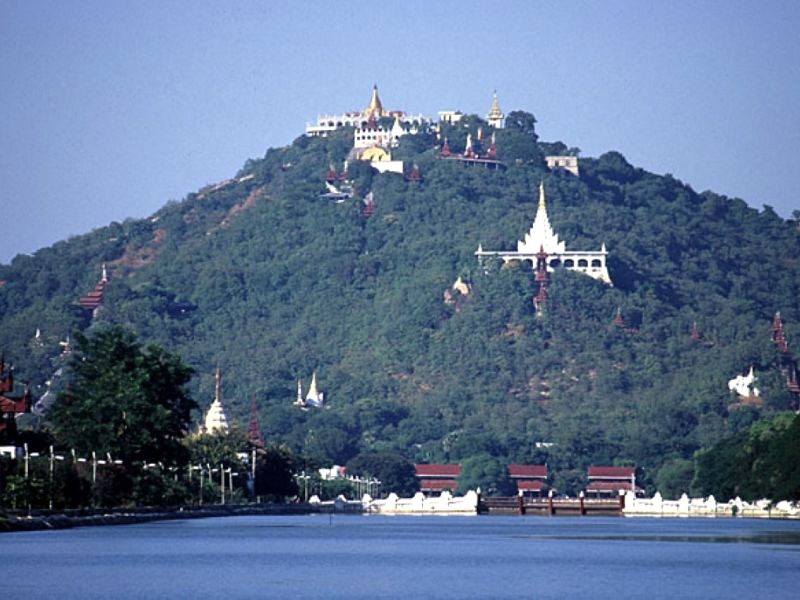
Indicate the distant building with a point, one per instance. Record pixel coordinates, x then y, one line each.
541 239
529 479
314 398
94 299
215 419
360 118
436 478
567 164
610 481
495 116
451 117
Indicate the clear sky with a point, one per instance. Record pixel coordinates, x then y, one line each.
108 109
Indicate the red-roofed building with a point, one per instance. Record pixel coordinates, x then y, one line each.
94 299
437 478
529 479
611 480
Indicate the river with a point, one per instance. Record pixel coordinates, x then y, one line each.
351 556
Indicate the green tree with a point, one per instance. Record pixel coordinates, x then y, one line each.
485 472
675 478
124 400
275 469
395 473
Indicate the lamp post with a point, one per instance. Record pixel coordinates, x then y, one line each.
222 483
53 458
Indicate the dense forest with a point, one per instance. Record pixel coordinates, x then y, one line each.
261 276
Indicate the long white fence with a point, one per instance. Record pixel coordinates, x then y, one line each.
707 507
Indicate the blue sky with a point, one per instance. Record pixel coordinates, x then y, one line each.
109 109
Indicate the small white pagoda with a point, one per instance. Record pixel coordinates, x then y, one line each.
215 419
314 398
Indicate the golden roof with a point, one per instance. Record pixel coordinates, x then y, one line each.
494 111
375 107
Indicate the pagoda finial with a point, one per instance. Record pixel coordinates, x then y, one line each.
217 385
495 115
105 273
375 107
541 196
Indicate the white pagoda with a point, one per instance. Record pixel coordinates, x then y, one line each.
542 241
215 419
314 398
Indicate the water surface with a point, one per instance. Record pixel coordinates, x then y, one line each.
424 557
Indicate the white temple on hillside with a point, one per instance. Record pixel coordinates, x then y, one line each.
542 238
215 419
314 398
745 385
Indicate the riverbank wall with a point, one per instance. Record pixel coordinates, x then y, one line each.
445 504
708 507
44 520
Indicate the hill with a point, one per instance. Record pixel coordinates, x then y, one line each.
264 278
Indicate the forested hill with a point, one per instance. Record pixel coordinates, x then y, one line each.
262 277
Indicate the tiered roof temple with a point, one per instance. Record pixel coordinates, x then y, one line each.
542 238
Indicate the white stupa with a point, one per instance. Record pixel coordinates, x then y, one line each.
215 417
314 398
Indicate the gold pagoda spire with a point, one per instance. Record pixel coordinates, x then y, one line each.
494 111
375 107
217 386
541 196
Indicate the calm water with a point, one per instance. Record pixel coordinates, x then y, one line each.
421 557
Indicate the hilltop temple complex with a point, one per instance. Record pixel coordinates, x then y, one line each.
360 119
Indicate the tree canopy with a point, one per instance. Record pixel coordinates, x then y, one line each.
124 400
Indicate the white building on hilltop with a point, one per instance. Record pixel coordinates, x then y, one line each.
360 118
215 419
542 239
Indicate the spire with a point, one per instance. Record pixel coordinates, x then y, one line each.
300 402
254 429
375 107
104 278
330 177
215 419
492 152
445 149
495 116
314 397
468 152
541 234
541 196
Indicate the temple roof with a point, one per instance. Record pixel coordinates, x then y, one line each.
541 235
374 108
494 111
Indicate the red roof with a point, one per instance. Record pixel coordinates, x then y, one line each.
611 472
527 471
438 471
530 486
437 485
609 486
